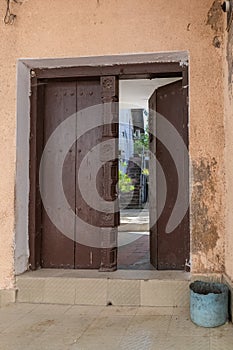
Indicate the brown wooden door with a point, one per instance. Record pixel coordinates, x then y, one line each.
96 92
57 250
169 250
61 100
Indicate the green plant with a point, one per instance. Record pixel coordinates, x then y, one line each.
125 183
142 142
145 172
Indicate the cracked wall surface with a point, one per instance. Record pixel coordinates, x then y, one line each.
71 28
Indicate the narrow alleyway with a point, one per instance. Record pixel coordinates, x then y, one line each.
63 327
133 240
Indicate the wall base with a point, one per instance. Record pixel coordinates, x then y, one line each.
159 289
227 280
7 296
119 288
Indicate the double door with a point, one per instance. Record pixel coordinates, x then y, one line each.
93 242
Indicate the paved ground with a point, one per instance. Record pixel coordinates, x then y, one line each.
133 240
134 220
61 327
135 255
138 216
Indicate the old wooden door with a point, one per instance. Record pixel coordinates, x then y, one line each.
61 100
168 250
57 250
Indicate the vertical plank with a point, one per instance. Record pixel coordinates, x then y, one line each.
57 250
173 248
152 183
110 93
87 256
32 175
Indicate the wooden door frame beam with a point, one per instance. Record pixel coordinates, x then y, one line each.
150 70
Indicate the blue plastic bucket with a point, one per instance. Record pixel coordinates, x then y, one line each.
208 303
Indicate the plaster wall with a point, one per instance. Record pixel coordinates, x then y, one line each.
73 28
229 151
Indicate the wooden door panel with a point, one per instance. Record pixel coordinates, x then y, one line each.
87 256
90 93
152 182
61 100
59 104
169 251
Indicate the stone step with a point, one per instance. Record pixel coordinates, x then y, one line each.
134 227
133 200
134 172
90 287
128 195
131 206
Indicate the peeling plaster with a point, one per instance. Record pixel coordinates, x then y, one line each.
205 229
229 151
215 21
214 16
230 58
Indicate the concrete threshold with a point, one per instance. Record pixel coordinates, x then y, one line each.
120 288
119 274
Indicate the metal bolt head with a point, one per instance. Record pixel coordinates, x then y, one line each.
33 73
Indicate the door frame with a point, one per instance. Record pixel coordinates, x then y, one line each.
144 66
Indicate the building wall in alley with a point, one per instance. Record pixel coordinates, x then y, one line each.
126 146
71 28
